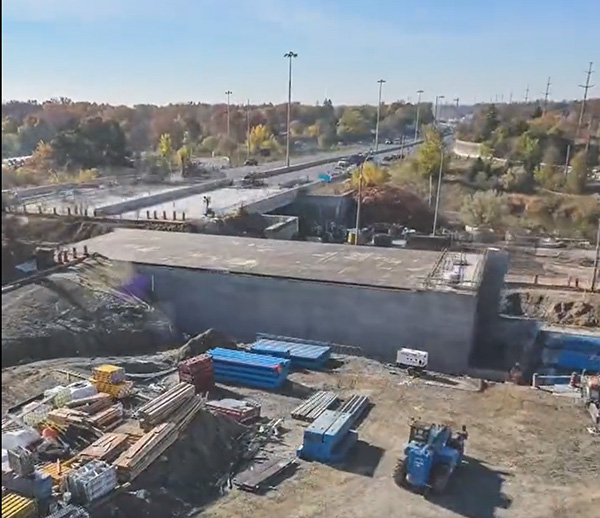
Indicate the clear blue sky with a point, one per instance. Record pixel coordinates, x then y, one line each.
161 51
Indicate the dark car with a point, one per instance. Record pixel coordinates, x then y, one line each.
251 161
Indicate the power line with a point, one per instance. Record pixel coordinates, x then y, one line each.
585 87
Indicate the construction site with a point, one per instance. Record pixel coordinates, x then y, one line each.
213 364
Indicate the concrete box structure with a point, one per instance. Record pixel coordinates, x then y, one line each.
380 299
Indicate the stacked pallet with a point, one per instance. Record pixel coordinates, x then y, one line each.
17 506
305 355
92 404
69 416
145 451
240 411
198 371
254 370
91 481
314 406
111 379
107 448
70 511
161 407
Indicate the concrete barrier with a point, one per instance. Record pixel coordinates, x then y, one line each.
154 199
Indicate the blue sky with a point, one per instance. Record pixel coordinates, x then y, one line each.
161 51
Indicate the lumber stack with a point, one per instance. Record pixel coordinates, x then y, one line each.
107 448
161 407
108 417
69 416
183 416
314 406
145 451
198 371
92 404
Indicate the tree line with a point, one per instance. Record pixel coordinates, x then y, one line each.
92 134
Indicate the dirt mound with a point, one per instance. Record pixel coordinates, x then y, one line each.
389 204
562 308
187 475
203 342
85 310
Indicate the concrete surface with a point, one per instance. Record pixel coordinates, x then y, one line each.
371 266
222 201
380 321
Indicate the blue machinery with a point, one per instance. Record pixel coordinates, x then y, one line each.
430 457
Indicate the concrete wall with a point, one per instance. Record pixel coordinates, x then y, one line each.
283 227
378 320
153 199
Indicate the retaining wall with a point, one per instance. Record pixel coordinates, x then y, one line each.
380 321
283 227
153 199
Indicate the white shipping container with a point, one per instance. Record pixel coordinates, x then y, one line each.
412 358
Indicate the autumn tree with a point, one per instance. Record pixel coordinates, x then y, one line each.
483 208
578 175
370 174
429 154
259 137
165 146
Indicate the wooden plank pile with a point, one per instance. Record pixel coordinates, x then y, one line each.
314 406
107 448
108 418
145 451
162 407
92 404
257 478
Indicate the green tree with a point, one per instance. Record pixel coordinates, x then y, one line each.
577 177
210 143
165 146
483 208
548 174
353 125
492 121
429 154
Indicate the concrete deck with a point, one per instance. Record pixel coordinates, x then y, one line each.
382 267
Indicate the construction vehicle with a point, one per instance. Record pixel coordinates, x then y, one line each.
431 456
590 390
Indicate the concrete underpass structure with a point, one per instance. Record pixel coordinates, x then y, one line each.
379 299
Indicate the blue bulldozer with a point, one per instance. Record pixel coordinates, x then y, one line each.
431 455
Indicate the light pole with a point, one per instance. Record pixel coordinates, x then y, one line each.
248 129
439 188
228 94
381 81
290 56
435 110
419 92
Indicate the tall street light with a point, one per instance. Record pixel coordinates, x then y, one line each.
248 129
381 81
419 92
439 189
290 56
228 94
435 110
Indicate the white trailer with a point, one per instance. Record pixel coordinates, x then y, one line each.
412 359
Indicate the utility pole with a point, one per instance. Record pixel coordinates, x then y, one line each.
381 81
546 96
566 172
527 95
228 94
248 129
585 87
439 189
596 260
419 92
290 56
435 110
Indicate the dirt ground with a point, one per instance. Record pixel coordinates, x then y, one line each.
528 453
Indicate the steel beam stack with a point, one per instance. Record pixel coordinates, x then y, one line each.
329 438
303 354
254 370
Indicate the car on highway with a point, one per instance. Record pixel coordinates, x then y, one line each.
388 141
342 164
251 161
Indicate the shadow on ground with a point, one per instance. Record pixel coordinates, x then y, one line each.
362 459
474 491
